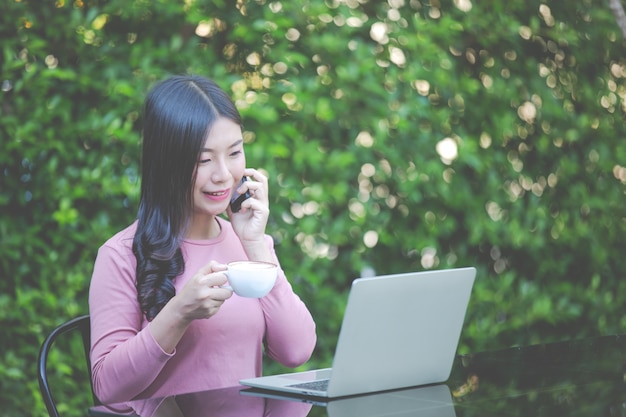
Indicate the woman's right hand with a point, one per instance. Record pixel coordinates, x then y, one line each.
202 297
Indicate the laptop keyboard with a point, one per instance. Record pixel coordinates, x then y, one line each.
319 385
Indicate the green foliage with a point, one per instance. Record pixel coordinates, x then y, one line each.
351 108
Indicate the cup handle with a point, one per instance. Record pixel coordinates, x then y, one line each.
226 286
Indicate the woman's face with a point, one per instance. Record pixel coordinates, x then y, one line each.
220 168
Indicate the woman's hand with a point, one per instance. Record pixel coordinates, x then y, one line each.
250 222
202 297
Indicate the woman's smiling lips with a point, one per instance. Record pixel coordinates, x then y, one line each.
217 195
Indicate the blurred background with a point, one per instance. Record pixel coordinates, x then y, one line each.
398 135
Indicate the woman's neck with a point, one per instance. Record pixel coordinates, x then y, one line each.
203 229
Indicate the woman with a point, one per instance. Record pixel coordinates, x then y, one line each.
160 323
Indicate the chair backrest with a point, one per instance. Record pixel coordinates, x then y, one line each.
82 326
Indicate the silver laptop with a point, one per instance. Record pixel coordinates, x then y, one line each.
398 331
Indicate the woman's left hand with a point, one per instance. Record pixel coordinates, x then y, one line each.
251 220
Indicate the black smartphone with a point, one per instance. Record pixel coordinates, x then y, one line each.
235 202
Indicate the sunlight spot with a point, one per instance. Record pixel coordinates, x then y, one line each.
619 172
527 112
378 33
297 211
368 170
289 99
364 139
486 80
280 68
292 34
204 29
357 210
494 211
510 55
354 22
397 56
370 238
89 37
422 87
552 180
448 174
434 13
546 13
368 271
100 21
485 140
429 258
276 7
394 15
618 70
51 61
254 59
447 150
463 5
525 32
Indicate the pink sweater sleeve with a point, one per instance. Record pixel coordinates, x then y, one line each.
290 337
117 341
290 328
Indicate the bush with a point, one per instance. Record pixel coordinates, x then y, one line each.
397 135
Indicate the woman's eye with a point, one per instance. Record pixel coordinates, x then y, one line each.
204 161
236 153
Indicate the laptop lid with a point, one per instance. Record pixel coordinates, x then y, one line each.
398 331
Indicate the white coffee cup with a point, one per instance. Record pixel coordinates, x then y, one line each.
251 279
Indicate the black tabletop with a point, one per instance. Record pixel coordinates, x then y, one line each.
578 378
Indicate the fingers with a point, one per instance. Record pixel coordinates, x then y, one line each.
209 296
211 267
210 279
257 186
255 175
210 304
209 274
220 294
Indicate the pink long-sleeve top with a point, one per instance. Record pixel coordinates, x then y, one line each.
127 363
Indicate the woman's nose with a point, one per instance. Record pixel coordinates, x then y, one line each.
220 173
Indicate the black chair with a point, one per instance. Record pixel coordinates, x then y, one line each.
79 324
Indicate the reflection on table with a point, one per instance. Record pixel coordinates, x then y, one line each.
226 402
578 378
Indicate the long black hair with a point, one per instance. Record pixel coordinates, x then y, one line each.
178 114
